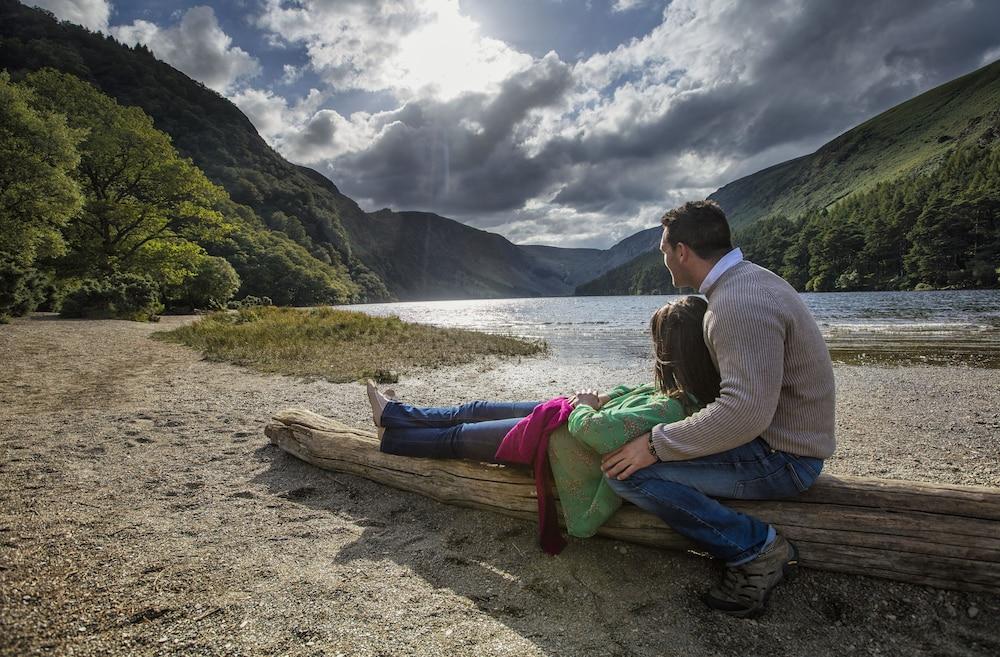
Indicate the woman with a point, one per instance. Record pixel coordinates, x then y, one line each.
684 380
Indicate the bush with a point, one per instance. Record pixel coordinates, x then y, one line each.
53 292
213 284
22 288
121 296
249 301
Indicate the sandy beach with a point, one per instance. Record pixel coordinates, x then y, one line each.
143 512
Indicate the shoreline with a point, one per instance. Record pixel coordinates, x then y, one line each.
144 512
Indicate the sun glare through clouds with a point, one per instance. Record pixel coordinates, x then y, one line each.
447 57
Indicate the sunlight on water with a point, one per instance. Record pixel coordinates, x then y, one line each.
601 328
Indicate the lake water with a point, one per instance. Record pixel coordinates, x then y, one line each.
602 328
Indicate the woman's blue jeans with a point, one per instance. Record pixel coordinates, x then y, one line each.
468 431
682 494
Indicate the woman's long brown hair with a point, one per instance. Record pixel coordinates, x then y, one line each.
683 365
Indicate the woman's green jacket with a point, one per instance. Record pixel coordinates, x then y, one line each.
575 451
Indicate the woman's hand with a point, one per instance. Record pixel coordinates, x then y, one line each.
588 397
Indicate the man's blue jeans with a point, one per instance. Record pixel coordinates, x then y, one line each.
468 431
682 494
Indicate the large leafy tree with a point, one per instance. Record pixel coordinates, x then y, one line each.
38 194
138 191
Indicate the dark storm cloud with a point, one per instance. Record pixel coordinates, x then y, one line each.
807 77
460 155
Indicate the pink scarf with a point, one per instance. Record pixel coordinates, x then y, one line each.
528 444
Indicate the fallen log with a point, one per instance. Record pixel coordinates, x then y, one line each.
939 535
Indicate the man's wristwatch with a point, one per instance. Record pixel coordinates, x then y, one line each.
652 450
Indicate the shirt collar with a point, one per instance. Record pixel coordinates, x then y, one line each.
724 264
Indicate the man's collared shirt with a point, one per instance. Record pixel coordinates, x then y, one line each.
724 264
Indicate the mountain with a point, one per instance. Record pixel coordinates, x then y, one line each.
912 137
860 212
424 256
644 274
577 266
203 126
937 146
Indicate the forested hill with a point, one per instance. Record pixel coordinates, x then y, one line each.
319 233
908 199
912 137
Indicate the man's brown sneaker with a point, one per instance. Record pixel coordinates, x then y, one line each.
744 589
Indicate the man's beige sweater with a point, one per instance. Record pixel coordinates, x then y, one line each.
777 379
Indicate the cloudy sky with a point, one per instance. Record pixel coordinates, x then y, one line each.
565 122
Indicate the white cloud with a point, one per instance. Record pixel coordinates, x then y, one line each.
92 14
268 112
327 135
627 5
303 132
990 56
412 48
197 46
290 73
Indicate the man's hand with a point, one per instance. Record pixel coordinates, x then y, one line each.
633 455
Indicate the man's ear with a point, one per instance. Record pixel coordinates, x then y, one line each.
683 251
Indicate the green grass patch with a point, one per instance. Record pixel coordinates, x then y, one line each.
338 345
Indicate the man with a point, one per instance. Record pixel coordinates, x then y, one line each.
764 437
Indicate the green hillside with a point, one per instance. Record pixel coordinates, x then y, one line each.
911 138
909 199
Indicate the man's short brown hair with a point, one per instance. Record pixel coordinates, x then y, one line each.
702 226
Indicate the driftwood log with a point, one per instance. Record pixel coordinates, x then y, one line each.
939 535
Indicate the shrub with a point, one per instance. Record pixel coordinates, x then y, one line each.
22 288
53 292
121 296
213 284
249 301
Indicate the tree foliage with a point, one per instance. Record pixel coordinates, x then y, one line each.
137 189
214 283
38 195
939 229
22 288
140 209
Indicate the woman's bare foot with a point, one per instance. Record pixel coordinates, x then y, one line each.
378 402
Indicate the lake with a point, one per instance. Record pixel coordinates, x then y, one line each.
925 326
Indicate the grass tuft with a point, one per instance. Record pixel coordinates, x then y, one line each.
338 345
